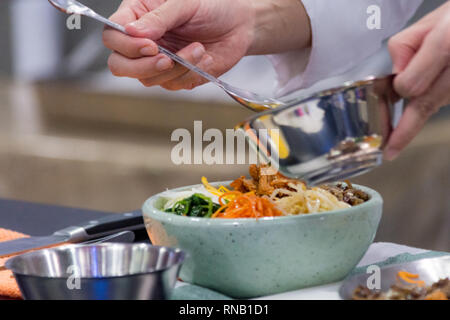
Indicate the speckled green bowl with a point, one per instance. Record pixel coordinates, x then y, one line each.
246 258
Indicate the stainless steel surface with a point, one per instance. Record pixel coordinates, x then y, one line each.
120 237
85 231
429 270
246 98
105 272
333 135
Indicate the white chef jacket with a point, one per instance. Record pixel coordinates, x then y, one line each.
341 41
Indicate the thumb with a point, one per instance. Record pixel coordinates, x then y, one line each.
169 15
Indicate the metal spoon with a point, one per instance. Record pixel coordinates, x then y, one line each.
248 99
119 237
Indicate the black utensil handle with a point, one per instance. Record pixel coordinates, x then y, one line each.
114 223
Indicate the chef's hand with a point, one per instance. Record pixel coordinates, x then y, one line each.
421 57
212 34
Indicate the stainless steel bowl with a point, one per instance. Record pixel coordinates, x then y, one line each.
429 270
98 272
332 135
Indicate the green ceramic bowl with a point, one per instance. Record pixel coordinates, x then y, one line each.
246 258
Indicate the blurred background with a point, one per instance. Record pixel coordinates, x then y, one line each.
72 134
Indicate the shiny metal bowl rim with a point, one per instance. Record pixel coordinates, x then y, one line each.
375 196
351 84
183 256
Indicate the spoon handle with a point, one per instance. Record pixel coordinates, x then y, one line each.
190 66
110 23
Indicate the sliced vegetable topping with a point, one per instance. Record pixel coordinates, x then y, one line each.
410 278
197 205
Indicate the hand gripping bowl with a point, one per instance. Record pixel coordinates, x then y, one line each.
246 258
104 271
330 136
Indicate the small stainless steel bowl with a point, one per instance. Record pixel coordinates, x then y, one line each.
430 270
330 136
98 272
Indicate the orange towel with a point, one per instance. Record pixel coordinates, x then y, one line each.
8 285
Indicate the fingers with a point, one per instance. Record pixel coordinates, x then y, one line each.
416 114
191 79
124 14
425 67
128 46
121 66
167 16
155 70
192 53
404 45
421 57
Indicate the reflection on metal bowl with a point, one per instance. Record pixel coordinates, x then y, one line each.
333 135
98 272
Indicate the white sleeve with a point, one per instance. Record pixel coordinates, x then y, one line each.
341 39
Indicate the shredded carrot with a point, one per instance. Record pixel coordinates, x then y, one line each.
409 278
245 205
230 195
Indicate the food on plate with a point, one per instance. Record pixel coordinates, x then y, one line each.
265 194
407 287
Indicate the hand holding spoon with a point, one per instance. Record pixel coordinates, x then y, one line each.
246 98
